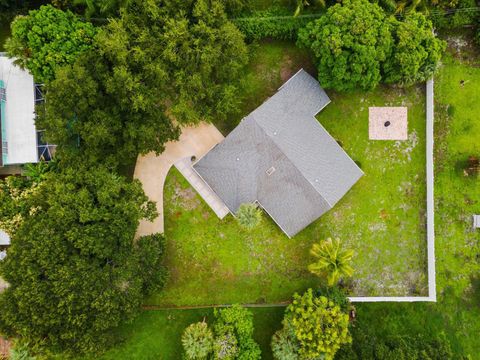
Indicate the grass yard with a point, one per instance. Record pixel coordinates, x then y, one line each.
156 335
381 218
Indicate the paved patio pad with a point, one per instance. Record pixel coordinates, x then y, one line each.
388 123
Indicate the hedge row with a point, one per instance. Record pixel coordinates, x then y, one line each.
276 23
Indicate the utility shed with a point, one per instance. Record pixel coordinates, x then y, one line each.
281 157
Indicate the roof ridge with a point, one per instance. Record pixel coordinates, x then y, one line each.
290 160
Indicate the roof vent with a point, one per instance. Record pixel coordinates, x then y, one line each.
270 171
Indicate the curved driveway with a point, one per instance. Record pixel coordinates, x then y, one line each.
152 170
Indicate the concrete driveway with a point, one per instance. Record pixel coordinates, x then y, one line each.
152 170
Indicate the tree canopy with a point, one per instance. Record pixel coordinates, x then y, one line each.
198 49
161 64
357 46
350 43
47 39
314 327
73 267
416 51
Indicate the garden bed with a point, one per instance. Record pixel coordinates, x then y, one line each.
382 218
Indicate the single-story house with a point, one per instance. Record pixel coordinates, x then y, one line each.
21 142
282 158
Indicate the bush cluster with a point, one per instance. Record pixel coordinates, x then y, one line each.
276 23
401 347
314 327
232 337
357 46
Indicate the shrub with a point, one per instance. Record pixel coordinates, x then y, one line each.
367 345
284 343
238 321
233 329
249 216
314 327
197 341
225 347
276 23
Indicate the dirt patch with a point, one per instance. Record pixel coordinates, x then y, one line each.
5 347
186 198
286 70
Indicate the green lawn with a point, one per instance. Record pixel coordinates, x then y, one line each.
381 218
155 335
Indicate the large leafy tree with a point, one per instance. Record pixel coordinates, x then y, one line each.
163 63
199 50
350 43
47 39
314 328
332 261
74 269
107 108
416 52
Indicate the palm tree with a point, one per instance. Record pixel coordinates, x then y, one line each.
249 215
332 261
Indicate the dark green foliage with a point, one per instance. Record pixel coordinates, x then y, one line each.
285 345
73 267
357 46
233 330
407 347
276 23
336 294
238 321
10 5
106 107
160 61
47 39
97 8
416 51
151 251
349 43
200 52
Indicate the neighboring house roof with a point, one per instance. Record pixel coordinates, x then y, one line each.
280 156
4 238
19 136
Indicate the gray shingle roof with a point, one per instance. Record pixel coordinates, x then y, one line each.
309 171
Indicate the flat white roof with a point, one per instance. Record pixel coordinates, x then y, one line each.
4 238
19 119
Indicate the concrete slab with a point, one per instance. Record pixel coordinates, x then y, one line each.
388 123
152 170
